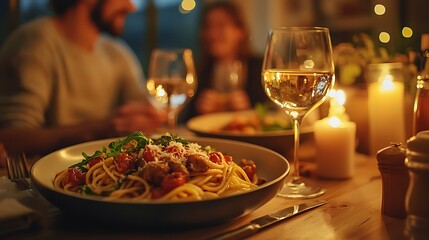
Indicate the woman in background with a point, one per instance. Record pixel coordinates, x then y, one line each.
230 77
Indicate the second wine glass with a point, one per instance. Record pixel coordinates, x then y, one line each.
297 74
172 81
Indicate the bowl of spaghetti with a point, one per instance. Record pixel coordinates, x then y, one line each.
168 181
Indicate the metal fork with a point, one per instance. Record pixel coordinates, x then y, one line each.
17 170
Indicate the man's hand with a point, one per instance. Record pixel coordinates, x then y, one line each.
138 116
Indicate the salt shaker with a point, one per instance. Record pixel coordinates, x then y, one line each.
395 179
417 200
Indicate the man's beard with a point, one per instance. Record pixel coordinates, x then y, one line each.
104 25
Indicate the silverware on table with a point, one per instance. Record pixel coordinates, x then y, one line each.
17 170
259 223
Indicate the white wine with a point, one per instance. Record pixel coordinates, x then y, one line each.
171 93
296 90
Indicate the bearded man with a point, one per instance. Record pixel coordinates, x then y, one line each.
63 81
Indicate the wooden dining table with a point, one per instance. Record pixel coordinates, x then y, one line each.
353 211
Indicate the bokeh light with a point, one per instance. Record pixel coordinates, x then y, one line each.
384 37
407 32
379 9
186 6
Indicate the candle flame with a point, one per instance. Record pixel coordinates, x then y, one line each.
338 96
387 84
189 78
334 121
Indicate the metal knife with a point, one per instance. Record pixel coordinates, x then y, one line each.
259 223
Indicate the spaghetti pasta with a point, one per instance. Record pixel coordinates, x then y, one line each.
164 169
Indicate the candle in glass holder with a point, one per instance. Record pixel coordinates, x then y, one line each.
335 141
385 106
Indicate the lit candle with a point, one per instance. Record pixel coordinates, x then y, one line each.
335 141
386 112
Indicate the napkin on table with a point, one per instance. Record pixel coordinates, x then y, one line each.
14 216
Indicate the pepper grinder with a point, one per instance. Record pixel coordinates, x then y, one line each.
417 200
395 179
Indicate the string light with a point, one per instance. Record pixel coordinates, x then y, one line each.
384 37
407 32
379 9
186 6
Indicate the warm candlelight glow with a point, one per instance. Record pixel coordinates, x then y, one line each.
334 122
336 109
189 78
338 96
387 84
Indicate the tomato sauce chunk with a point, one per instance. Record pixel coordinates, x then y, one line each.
228 159
215 157
74 177
123 163
95 161
173 180
149 155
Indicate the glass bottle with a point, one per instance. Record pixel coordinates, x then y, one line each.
421 102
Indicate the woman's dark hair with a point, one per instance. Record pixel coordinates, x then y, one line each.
234 12
59 7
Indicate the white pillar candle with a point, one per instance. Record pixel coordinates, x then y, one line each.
386 113
335 141
335 146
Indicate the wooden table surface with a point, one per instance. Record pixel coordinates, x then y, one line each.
352 212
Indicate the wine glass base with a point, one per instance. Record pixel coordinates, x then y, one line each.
298 189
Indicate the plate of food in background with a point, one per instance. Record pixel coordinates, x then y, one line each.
260 126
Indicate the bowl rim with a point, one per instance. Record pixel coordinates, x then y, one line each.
97 199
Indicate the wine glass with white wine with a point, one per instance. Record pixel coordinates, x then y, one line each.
297 74
172 81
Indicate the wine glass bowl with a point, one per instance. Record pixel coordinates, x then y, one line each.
296 92
297 74
172 81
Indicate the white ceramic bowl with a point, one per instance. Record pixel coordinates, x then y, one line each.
280 141
270 165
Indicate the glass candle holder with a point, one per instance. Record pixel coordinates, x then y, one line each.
386 117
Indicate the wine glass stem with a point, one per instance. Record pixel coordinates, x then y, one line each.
296 124
172 120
